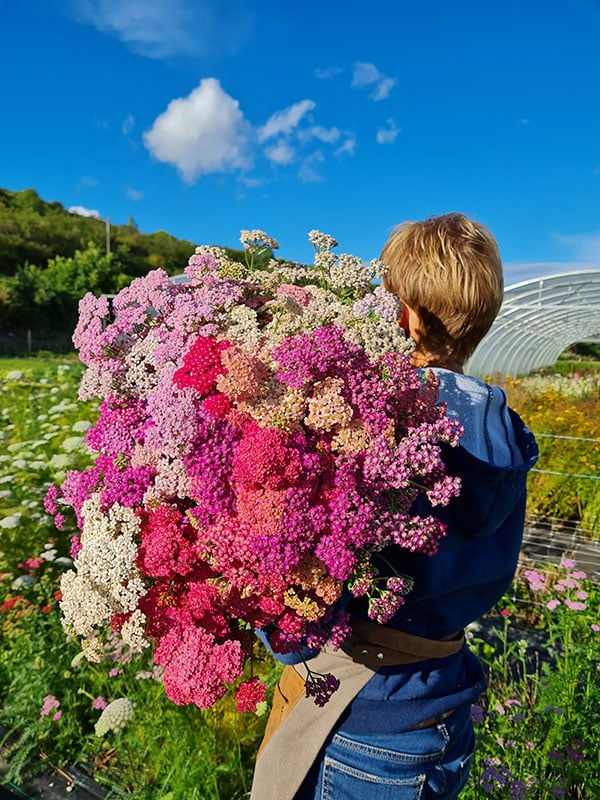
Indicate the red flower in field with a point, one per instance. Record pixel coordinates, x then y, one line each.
47 608
506 612
10 602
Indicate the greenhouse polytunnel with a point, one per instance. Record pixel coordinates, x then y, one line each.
539 319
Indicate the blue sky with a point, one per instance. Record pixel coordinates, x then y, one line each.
202 117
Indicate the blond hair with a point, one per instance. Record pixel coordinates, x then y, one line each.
448 270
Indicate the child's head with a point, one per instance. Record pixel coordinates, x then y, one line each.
448 270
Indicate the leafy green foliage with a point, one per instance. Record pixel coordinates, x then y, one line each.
33 231
50 257
537 727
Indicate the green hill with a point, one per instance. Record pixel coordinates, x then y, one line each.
50 257
33 231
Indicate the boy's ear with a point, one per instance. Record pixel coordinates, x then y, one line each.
404 320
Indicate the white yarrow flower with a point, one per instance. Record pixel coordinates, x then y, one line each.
10 522
74 443
115 716
81 426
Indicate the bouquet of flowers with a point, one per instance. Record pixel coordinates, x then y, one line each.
261 436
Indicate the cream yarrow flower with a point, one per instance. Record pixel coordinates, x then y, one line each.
115 716
321 241
257 240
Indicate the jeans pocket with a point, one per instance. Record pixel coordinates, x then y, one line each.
344 781
375 770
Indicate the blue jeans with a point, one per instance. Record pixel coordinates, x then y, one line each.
425 764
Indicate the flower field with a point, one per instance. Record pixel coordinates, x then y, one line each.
563 412
538 724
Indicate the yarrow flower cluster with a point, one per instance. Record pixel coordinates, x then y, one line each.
114 716
261 436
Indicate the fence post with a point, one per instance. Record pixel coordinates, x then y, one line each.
29 348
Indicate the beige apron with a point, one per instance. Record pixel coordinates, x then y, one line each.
297 728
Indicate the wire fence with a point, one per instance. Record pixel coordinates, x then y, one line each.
547 540
16 343
546 545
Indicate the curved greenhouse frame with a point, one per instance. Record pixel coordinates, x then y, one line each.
538 320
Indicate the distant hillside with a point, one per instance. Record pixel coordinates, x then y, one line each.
33 231
51 257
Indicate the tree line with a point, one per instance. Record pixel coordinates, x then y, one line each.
50 257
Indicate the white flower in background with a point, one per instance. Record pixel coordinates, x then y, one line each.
49 553
10 522
115 716
20 463
82 425
74 443
23 582
256 240
14 375
60 461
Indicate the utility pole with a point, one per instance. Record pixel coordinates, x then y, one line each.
107 223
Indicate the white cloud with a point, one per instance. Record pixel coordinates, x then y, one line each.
202 133
388 134
308 169
286 120
326 135
349 146
87 180
84 212
383 88
327 73
159 29
206 132
128 124
280 153
134 194
584 246
367 75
